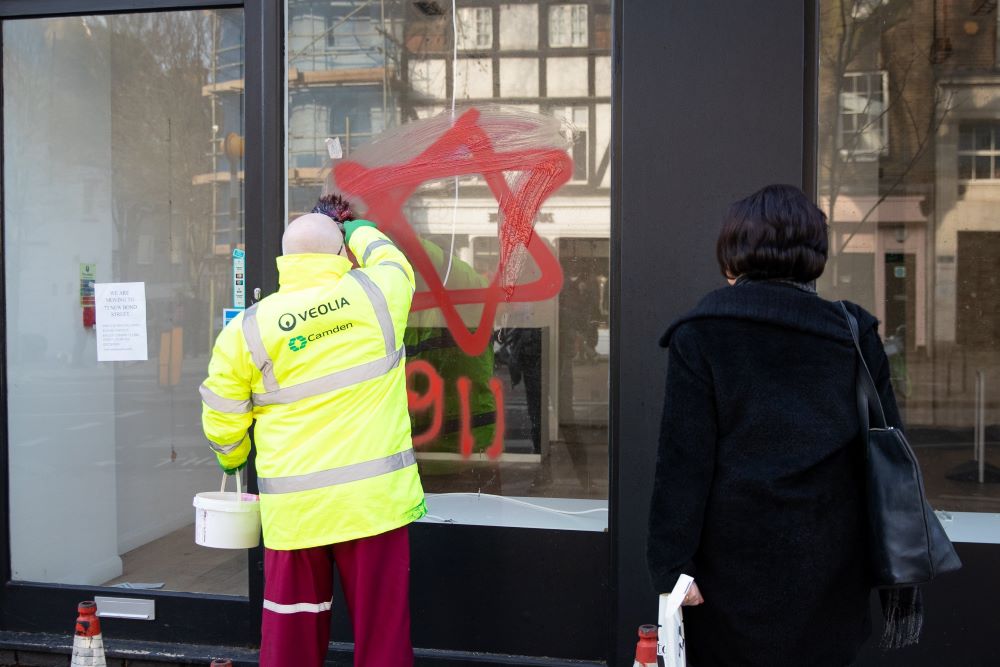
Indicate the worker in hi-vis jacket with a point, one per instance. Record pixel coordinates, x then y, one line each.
320 366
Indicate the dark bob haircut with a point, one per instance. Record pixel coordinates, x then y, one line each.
775 233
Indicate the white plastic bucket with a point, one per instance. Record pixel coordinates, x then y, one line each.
227 520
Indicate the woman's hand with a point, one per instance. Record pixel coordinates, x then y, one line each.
693 597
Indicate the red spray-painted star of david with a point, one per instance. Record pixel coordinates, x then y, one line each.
463 149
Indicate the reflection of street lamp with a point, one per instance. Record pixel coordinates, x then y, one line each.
232 146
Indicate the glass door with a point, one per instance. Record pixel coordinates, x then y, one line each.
123 254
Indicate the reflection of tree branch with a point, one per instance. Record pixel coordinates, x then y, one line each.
852 30
935 124
876 121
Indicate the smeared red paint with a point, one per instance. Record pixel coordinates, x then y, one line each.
433 399
465 439
496 449
465 149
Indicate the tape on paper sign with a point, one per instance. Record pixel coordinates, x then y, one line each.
239 279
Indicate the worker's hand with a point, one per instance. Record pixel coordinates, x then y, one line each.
693 597
233 471
351 225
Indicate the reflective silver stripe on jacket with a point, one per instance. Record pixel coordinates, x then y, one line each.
222 404
400 267
372 246
342 475
261 359
331 382
226 449
381 308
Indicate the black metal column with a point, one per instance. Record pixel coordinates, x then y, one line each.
712 108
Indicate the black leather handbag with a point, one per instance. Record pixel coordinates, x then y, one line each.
908 545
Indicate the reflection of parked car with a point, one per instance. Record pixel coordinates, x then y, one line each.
895 350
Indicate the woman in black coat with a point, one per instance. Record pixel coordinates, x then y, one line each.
759 482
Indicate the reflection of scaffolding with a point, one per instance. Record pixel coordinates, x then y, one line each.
343 66
225 89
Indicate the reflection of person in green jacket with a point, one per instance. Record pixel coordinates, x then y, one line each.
428 339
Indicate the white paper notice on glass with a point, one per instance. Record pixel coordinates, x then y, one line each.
121 321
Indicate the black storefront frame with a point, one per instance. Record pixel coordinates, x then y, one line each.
577 589
747 116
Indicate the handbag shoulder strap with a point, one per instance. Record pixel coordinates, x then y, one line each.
868 398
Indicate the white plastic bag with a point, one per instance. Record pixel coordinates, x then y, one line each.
670 642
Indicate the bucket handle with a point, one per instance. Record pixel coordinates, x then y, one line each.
239 486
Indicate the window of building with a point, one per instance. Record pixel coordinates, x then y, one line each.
979 151
475 28
864 123
862 9
568 25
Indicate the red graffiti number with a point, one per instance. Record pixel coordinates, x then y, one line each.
433 399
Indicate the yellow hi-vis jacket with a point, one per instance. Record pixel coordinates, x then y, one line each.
320 366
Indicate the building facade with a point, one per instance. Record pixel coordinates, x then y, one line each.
154 149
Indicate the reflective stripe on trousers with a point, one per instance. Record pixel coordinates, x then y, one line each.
341 475
298 607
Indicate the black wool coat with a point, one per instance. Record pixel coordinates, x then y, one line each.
759 482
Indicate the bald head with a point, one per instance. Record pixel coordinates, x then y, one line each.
312 233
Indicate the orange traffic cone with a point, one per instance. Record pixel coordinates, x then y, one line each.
645 649
88 645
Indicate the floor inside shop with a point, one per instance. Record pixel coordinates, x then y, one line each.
181 565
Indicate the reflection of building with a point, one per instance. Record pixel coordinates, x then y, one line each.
355 70
343 81
876 167
909 178
225 91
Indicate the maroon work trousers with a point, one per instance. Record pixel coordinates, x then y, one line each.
298 593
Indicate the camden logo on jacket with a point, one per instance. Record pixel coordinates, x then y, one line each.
296 343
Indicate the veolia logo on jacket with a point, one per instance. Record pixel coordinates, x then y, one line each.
287 321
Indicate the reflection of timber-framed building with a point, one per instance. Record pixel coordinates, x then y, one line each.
355 70
146 141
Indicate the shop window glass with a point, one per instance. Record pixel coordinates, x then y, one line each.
122 163
524 412
914 235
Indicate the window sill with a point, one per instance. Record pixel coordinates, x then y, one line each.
517 512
